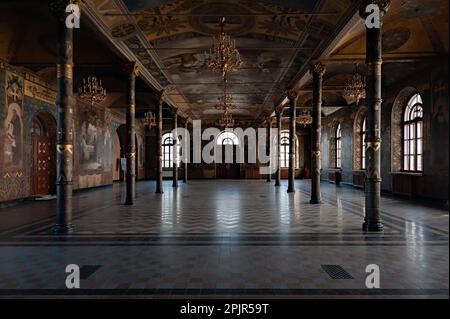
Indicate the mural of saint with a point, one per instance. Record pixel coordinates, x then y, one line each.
13 141
89 140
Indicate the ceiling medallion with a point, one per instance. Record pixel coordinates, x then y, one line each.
355 89
304 118
223 56
92 90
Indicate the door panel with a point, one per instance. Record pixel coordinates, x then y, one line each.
40 165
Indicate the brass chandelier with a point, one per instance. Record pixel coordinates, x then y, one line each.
304 118
226 105
223 57
92 90
355 88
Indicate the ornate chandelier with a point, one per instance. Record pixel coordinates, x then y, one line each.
223 57
304 118
226 120
92 90
225 101
355 88
150 120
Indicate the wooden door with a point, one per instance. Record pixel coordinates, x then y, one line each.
40 164
228 170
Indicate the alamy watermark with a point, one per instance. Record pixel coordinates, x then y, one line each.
74 16
373 20
251 146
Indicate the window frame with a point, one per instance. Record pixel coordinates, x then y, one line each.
338 147
167 151
412 161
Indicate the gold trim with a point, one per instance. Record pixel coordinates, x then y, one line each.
61 148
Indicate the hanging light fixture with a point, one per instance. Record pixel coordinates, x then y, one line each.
226 120
304 118
226 100
355 88
150 120
223 57
92 90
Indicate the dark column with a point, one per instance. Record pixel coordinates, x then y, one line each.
317 70
292 95
159 179
175 152
372 220
186 143
64 117
278 113
132 70
269 126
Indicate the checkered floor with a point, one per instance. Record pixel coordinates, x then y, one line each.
210 238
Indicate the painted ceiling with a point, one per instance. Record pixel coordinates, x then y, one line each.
170 38
273 46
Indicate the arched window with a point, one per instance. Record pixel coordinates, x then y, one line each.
284 153
167 150
36 127
363 134
227 138
413 134
338 147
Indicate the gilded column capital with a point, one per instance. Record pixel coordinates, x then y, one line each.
131 68
317 68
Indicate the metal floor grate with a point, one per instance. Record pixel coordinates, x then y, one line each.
336 272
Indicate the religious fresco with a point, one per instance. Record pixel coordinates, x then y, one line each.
13 123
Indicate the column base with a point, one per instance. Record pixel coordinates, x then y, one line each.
159 192
277 184
372 226
129 203
62 229
315 201
290 190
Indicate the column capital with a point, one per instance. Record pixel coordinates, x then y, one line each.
292 94
131 68
383 5
279 109
317 68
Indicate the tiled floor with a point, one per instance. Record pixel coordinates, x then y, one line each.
222 238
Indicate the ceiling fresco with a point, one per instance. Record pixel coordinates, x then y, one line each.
276 39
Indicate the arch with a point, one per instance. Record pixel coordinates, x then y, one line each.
397 113
227 138
412 138
42 132
359 134
335 145
284 154
167 150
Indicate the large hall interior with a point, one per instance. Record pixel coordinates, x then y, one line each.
224 148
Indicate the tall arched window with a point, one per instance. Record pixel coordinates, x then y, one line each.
167 150
284 154
413 134
338 147
227 138
363 134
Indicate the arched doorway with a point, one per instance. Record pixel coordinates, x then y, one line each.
43 154
228 168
